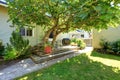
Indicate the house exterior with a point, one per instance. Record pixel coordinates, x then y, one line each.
110 34
79 34
76 34
33 35
5 30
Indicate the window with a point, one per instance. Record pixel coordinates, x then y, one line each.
26 32
29 32
22 31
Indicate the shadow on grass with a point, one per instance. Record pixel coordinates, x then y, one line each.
77 68
103 55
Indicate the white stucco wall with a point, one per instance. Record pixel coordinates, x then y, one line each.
5 30
37 36
110 34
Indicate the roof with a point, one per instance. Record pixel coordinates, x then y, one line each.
3 3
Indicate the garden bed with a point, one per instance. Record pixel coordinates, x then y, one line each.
41 58
46 57
102 51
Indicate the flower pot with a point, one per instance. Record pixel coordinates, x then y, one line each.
48 49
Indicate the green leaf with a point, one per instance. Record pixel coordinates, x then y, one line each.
84 15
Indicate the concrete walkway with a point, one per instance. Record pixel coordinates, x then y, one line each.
27 65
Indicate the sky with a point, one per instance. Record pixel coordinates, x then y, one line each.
3 0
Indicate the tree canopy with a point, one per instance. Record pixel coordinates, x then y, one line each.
64 15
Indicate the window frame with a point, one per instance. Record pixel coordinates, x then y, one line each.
25 32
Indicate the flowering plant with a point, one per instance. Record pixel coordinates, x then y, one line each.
48 48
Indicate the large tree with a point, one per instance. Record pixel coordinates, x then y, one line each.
64 15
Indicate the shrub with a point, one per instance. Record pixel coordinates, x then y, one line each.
78 42
116 46
10 53
111 46
81 44
105 44
17 47
1 49
73 42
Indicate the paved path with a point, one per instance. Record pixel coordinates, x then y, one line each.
27 66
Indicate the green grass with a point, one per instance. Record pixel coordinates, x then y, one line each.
94 66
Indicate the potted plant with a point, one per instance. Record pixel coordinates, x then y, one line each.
48 48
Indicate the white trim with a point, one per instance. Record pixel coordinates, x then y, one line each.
33 30
26 32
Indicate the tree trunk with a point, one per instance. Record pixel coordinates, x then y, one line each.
46 36
54 38
54 28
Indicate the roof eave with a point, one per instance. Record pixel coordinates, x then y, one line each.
4 5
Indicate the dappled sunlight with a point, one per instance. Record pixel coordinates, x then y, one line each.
77 61
1 73
58 61
82 67
28 78
86 50
39 74
106 61
68 60
24 78
116 70
24 64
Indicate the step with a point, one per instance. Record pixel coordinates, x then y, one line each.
41 54
38 59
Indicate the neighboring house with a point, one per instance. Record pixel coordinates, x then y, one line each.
110 34
34 35
76 34
79 34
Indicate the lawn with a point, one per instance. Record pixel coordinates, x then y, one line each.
89 66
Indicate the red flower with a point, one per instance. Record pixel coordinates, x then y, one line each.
48 49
